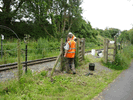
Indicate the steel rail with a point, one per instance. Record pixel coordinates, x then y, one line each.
5 67
9 66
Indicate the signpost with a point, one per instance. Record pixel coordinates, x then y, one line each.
2 38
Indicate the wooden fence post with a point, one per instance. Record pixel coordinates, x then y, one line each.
106 41
77 53
80 51
61 49
83 48
104 50
19 62
115 49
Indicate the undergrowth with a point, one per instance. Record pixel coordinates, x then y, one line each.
122 59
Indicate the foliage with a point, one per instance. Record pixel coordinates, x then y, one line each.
122 60
45 18
7 13
123 36
49 19
127 35
108 32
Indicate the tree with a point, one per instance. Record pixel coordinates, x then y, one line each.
53 18
9 10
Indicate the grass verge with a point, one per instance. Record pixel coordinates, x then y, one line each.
36 86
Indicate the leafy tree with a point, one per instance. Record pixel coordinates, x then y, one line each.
130 32
47 18
56 17
123 36
127 35
9 10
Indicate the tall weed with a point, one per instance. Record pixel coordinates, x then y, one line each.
122 59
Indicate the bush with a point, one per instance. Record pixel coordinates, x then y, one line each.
122 60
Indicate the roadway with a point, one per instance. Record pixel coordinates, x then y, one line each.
121 88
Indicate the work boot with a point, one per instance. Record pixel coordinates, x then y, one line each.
74 72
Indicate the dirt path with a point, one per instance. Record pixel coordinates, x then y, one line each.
121 88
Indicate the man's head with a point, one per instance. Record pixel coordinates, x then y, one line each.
69 37
70 33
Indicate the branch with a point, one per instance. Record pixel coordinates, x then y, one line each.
47 32
21 2
70 26
64 21
33 7
55 64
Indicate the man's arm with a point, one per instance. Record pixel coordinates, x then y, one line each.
65 53
66 49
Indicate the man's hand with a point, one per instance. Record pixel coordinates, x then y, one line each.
65 55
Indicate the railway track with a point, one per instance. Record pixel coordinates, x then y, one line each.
5 67
9 66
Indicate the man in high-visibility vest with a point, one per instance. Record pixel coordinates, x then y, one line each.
70 50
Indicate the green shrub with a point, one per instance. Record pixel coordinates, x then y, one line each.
122 60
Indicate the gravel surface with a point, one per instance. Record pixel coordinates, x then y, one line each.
9 74
100 67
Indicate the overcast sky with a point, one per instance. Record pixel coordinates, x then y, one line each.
109 13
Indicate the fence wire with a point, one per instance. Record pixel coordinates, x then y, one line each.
10 54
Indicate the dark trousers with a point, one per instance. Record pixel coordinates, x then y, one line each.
70 62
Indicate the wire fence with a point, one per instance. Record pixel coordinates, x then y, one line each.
35 50
9 52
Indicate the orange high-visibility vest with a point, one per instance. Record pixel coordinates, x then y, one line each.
72 49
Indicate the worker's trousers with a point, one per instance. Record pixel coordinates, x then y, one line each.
70 62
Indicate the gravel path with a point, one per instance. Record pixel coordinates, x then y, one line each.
9 74
100 68
6 75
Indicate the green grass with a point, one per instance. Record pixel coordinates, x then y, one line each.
98 44
93 47
36 86
37 49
